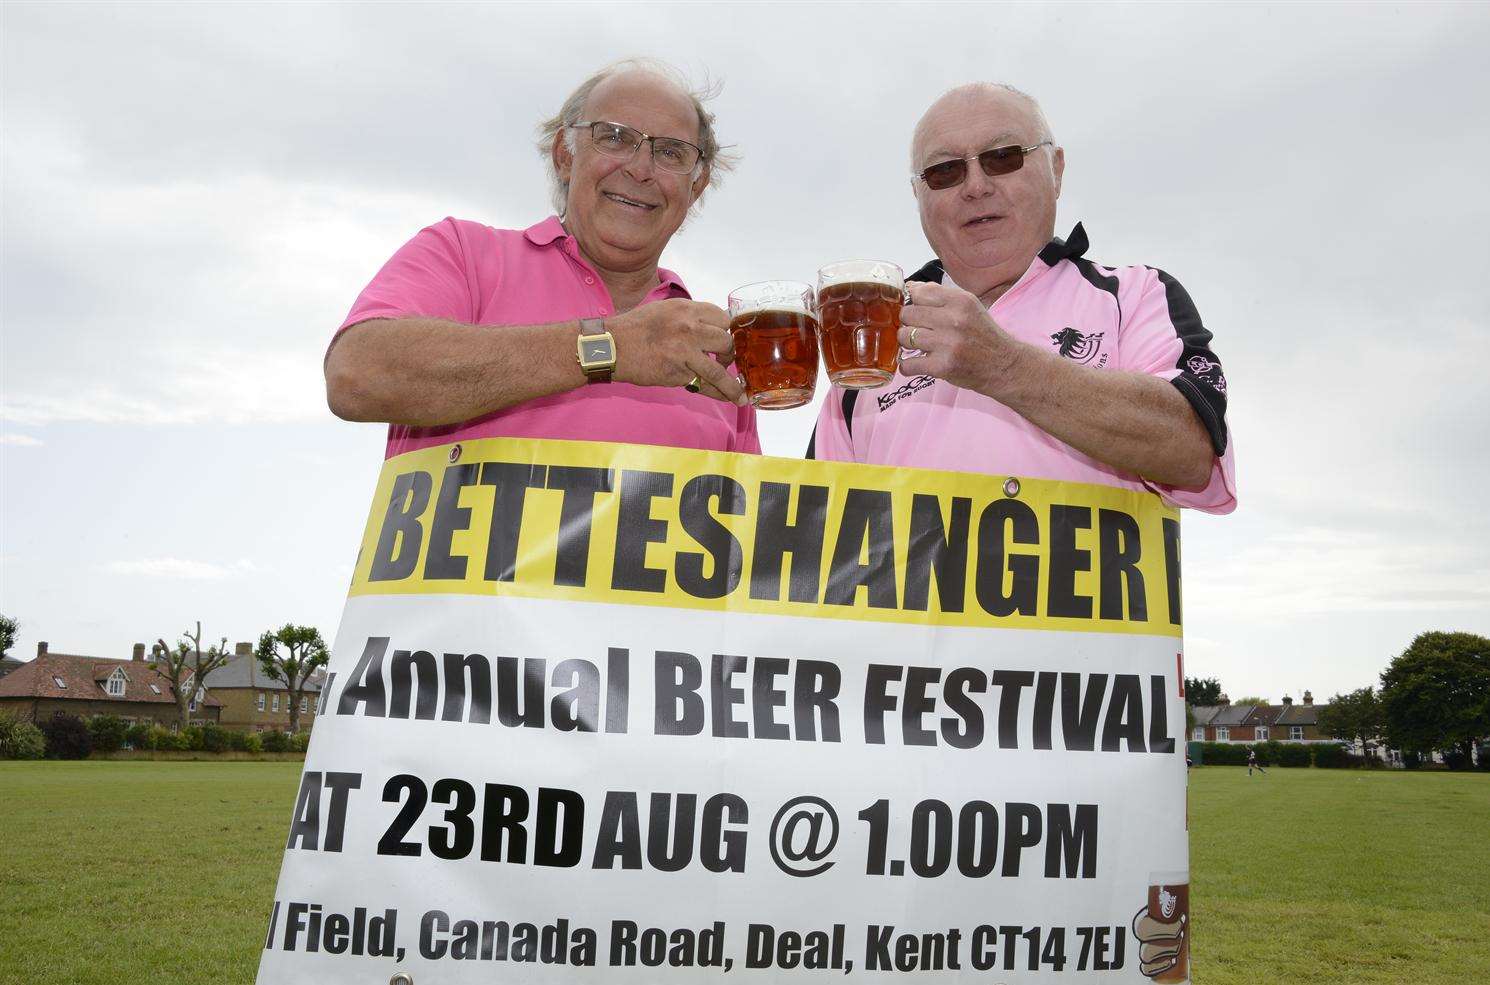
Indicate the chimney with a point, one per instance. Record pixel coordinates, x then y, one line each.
139 654
243 649
1287 700
41 648
1224 699
1308 697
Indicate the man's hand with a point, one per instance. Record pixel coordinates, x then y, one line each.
1161 943
668 343
957 338
1131 421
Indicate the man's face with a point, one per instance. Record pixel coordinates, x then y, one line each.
623 212
986 230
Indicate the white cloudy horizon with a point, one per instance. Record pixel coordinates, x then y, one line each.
193 196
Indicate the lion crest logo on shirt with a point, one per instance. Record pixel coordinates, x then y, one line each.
1079 346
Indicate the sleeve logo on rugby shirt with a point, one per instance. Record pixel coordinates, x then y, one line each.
1208 371
1083 348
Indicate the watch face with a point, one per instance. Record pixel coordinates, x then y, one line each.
599 350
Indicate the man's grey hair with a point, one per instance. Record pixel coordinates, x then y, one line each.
718 159
1042 125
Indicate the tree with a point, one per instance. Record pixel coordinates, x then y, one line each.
1250 699
186 668
1354 717
1436 695
8 630
305 653
1202 691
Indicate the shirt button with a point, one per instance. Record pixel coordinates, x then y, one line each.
589 280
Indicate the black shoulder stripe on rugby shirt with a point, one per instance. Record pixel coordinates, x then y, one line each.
1204 388
1099 280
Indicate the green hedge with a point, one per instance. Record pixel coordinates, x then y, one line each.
139 736
20 740
275 741
108 732
67 737
1330 756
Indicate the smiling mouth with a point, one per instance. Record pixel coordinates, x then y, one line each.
629 202
983 220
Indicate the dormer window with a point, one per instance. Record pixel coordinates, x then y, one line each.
115 684
59 682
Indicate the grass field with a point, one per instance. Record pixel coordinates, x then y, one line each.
1299 876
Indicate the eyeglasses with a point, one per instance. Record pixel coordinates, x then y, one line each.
999 160
616 140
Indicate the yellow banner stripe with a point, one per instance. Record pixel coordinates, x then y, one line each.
643 525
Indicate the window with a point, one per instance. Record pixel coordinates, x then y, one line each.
1223 734
1296 733
1199 735
261 701
155 688
276 703
114 686
59 682
1262 733
303 704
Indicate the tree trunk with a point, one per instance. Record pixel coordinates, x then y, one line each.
294 709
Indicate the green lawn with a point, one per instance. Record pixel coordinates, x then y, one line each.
118 872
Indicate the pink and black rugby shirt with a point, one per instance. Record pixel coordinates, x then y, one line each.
1134 319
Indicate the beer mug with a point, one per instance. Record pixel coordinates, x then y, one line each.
775 336
858 310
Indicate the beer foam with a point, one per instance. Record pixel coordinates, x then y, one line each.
859 271
774 296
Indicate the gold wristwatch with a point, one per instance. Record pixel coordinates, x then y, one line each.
597 350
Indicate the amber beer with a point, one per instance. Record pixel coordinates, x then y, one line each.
858 305
775 338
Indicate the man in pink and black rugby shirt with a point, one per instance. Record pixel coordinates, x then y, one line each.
1032 360
474 332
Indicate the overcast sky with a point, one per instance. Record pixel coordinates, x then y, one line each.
194 195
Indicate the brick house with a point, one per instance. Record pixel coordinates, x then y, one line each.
1287 722
57 684
1300 723
254 702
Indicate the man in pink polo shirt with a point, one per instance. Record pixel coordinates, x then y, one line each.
566 329
1032 360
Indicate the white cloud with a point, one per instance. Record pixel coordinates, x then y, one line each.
181 568
20 440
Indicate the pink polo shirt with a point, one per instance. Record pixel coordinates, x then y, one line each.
470 273
1132 319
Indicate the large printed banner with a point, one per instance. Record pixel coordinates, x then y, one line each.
616 714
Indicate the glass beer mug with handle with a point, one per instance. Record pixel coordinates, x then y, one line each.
858 309
775 335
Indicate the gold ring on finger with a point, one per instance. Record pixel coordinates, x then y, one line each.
692 385
914 329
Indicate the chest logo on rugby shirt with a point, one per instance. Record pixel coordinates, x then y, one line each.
1079 346
904 390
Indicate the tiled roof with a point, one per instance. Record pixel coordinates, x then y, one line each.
1232 715
244 670
1300 715
1264 714
1205 713
84 678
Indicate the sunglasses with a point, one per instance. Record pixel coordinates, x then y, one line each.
999 160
